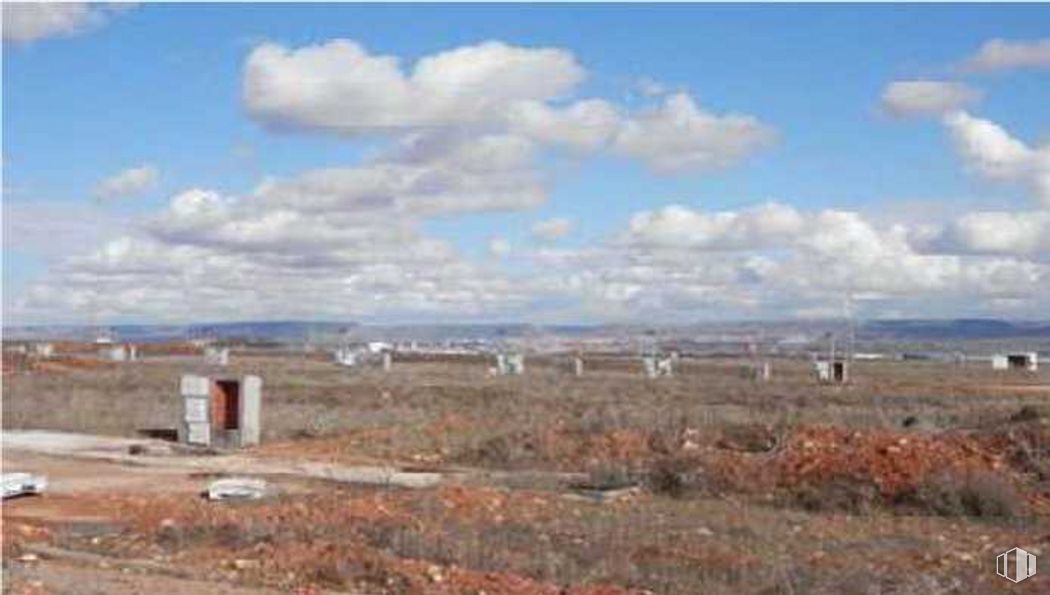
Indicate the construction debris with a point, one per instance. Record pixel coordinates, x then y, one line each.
22 484
238 488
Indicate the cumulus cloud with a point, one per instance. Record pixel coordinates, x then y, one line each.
466 130
917 98
220 256
678 226
773 256
340 86
489 88
995 232
1003 54
25 22
131 181
552 229
678 136
587 124
991 152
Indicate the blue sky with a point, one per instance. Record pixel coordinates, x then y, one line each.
163 85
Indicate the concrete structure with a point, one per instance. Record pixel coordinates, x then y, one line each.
217 356
43 350
388 361
831 372
119 353
345 356
657 366
510 364
578 366
222 412
1028 361
758 371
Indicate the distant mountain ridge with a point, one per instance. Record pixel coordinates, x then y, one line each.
963 328
293 331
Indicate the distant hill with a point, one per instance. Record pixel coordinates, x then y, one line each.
292 331
965 328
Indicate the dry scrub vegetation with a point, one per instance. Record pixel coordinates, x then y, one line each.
905 481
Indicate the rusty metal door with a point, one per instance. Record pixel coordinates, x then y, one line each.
225 405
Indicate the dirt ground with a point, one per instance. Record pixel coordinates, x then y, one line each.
911 480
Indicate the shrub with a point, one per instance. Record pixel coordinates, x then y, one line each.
676 477
836 494
976 494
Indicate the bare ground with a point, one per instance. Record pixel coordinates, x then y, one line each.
909 481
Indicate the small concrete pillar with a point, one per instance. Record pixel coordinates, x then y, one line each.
656 366
250 410
649 366
578 366
216 356
387 361
516 364
510 364
346 357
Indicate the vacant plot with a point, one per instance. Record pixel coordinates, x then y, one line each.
909 480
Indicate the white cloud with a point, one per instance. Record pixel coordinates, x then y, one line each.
997 232
499 247
678 136
677 226
25 22
773 260
490 88
587 124
650 88
552 229
215 256
129 182
429 174
55 230
339 86
913 98
1003 54
993 153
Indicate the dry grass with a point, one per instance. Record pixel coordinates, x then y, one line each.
690 531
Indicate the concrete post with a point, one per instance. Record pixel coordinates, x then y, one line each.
194 426
251 409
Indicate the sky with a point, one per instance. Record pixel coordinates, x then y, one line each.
536 163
